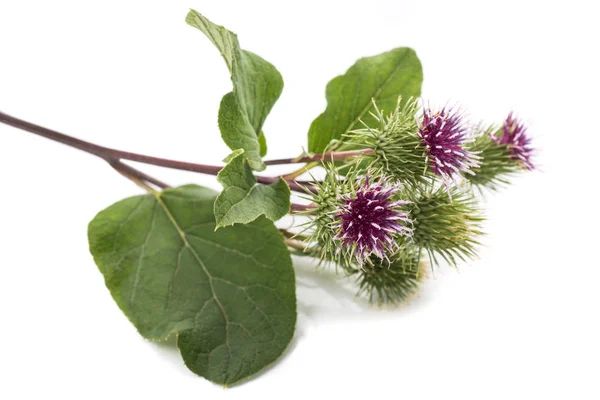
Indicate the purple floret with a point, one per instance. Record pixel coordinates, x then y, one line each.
514 136
369 221
443 134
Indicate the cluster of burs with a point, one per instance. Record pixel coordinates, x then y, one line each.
410 197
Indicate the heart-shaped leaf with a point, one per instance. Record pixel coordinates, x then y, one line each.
228 295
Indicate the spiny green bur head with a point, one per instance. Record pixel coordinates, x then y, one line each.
320 225
394 283
397 146
447 223
496 164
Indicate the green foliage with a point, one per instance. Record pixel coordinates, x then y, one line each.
256 87
228 296
390 283
382 78
395 140
497 165
243 200
447 222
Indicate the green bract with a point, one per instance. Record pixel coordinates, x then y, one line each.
496 167
228 296
325 200
395 142
391 283
447 222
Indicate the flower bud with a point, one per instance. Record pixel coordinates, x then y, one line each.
514 136
445 226
397 147
504 152
391 283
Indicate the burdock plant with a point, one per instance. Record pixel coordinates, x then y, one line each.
388 197
504 151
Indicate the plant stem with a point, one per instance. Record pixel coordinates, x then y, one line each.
134 178
329 156
105 152
292 235
308 182
293 185
112 155
300 171
295 244
129 172
301 207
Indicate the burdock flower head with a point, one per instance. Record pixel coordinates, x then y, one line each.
356 218
514 136
444 133
368 221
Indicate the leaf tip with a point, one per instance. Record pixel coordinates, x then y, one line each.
190 16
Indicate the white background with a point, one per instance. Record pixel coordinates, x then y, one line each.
520 323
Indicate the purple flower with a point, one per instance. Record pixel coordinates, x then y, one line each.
443 134
369 221
514 136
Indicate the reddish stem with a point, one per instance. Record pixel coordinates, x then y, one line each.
113 156
301 207
105 152
130 171
329 156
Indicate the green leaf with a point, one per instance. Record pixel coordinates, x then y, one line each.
383 77
229 296
243 199
256 87
237 133
262 141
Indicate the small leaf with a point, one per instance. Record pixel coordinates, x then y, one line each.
256 87
383 77
229 296
237 133
243 199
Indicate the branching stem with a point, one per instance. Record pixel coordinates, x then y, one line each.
130 172
113 156
329 156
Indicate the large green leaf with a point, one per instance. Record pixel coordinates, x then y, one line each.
256 87
383 77
229 295
243 199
